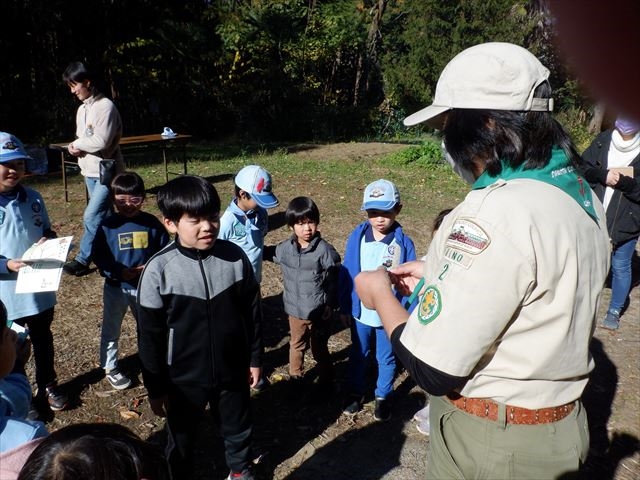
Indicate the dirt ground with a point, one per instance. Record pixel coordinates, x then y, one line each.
301 434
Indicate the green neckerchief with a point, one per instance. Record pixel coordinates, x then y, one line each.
558 172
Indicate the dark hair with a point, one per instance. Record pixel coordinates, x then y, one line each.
77 72
518 138
439 218
3 318
127 183
300 208
99 451
188 194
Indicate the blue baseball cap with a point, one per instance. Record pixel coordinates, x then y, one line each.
381 195
11 148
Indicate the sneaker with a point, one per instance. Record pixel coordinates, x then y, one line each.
353 405
244 475
74 267
118 380
382 412
611 321
55 398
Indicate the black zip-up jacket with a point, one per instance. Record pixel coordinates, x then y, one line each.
199 318
623 212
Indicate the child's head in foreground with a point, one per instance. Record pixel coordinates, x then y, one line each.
303 217
7 344
190 208
128 193
12 161
382 203
97 451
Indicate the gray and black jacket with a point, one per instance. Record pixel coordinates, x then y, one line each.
199 318
310 276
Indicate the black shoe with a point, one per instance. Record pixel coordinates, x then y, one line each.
353 405
382 412
74 267
55 398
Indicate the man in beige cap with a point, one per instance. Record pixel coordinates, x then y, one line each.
500 337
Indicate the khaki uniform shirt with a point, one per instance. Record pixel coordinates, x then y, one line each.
513 280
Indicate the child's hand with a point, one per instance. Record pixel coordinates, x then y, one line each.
131 273
254 376
15 265
159 405
405 277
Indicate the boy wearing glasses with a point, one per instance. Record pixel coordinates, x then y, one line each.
124 242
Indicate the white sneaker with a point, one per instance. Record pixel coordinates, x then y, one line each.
118 380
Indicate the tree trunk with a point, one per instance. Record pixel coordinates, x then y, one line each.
368 61
595 125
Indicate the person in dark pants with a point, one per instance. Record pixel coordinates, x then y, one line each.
199 318
24 221
613 169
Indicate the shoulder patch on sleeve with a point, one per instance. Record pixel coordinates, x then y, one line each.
430 305
468 236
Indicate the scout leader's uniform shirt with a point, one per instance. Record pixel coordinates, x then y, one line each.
247 230
512 279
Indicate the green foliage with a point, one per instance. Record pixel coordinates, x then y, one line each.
427 154
573 121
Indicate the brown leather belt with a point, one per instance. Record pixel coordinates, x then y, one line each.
486 408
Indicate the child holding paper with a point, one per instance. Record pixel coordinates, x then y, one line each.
23 222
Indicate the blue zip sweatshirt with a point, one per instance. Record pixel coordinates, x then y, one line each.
349 300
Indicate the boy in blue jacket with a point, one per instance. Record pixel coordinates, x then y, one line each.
379 241
124 242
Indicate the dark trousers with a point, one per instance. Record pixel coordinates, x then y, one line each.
39 326
231 407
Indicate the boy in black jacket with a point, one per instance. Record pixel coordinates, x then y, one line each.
200 338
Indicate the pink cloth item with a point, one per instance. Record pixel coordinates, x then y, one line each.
11 461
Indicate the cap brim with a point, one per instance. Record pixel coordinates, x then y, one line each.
267 200
382 206
14 156
432 114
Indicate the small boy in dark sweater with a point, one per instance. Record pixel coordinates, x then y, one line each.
122 245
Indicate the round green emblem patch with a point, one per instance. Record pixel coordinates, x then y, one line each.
430 305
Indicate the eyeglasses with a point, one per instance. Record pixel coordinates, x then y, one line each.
121 201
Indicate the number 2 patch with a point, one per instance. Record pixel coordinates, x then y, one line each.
430 305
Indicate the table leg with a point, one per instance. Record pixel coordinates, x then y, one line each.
166 167
64 176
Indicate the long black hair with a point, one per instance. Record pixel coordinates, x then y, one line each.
487 137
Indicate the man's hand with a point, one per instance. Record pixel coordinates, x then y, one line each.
159 405
405 277
612 178
373 287
254 376
76 152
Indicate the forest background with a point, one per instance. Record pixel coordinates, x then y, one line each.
260 71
